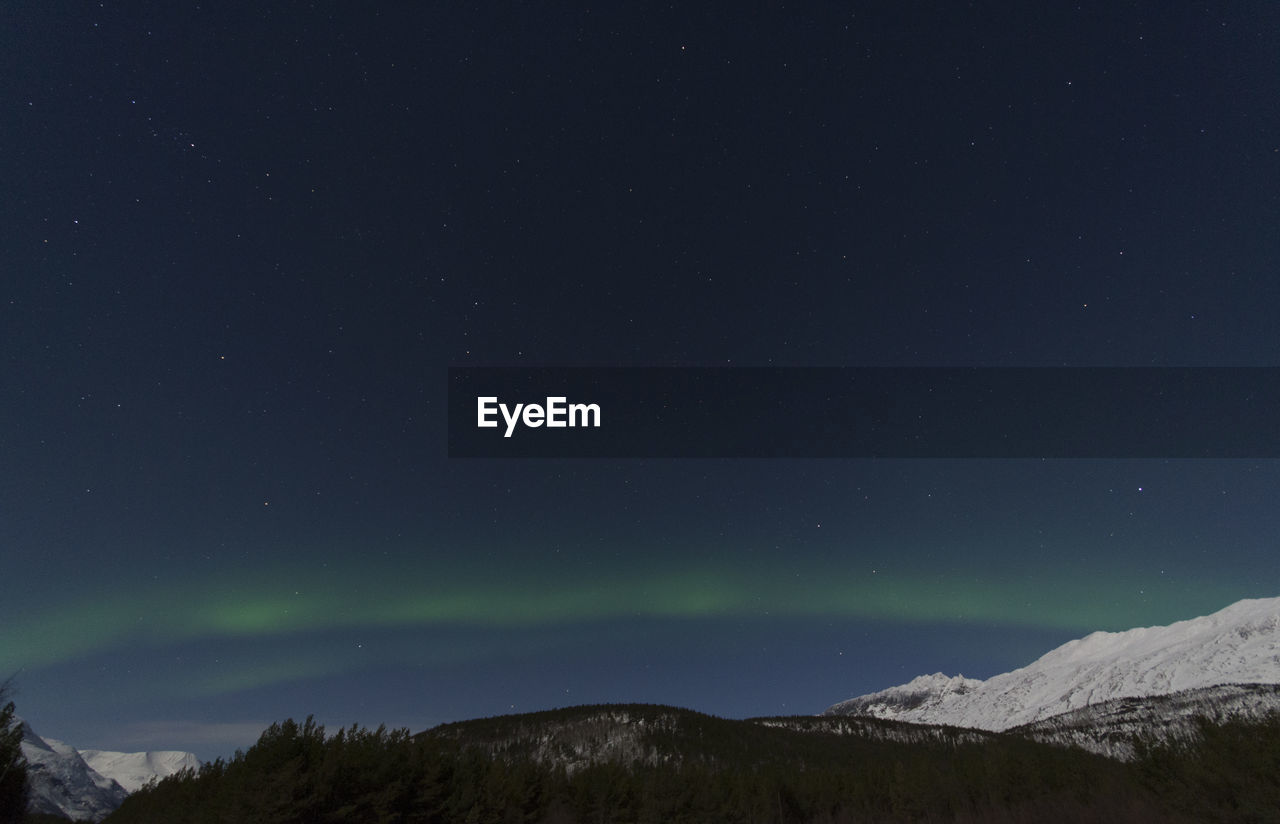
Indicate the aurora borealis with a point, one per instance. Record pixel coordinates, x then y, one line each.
809 593
243 245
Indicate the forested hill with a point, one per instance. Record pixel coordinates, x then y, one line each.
636 763
653 735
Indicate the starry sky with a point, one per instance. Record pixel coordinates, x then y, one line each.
241 244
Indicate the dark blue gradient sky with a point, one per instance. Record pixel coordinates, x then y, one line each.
242 243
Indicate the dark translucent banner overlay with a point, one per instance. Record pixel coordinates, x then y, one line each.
1160 412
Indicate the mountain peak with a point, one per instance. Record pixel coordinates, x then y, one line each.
132 770
63 784
86 785
1239 644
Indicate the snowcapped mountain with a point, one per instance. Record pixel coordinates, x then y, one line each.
1110 728
132 770
63 784
1236 645
87 785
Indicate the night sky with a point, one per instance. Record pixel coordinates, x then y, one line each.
241 243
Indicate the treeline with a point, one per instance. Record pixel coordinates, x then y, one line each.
1230 774
720 771
13 766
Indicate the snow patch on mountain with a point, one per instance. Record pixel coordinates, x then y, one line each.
63 784
86 785
1113 728
133 770
1237 645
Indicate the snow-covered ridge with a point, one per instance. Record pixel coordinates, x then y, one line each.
87 785
132 770
63 784
1112 727
1237 645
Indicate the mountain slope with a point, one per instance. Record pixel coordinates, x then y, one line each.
1111 727
87 785
1237 645
63 784
132 770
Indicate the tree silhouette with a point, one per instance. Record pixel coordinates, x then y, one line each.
13 767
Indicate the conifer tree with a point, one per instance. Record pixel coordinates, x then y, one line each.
13 767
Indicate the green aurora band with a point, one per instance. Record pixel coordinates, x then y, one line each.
286 603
